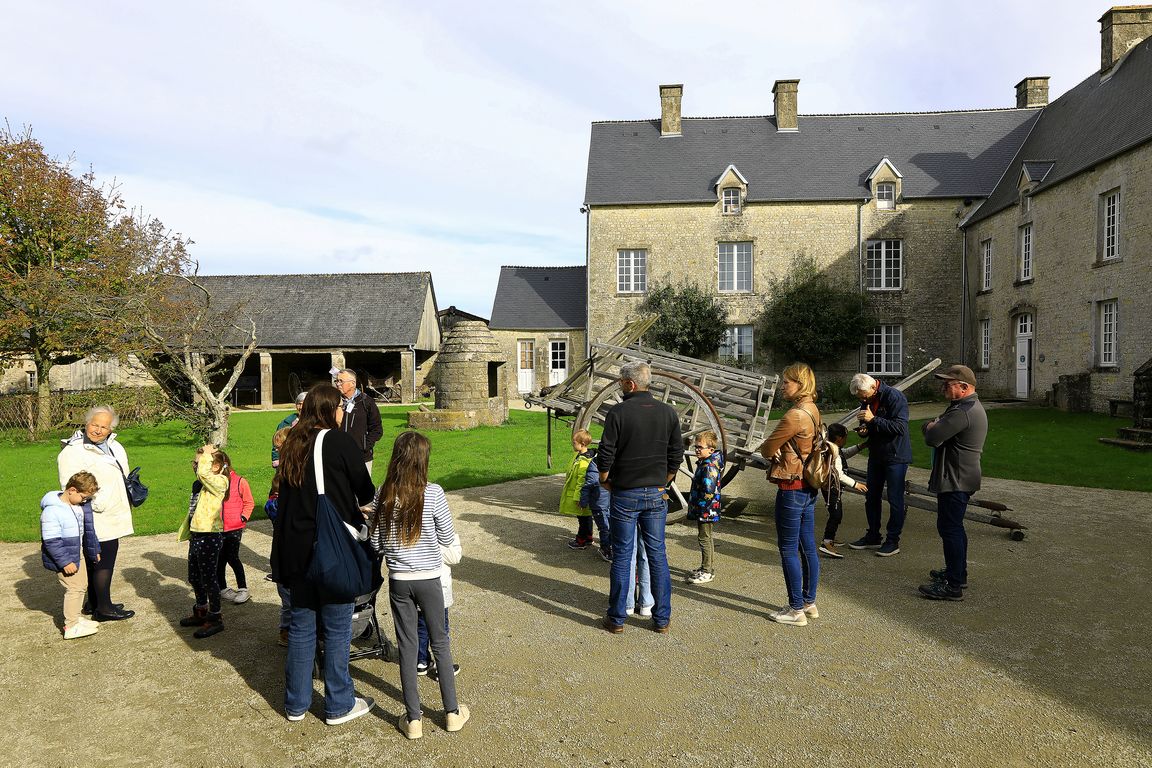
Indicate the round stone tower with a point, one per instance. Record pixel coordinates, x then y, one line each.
470 383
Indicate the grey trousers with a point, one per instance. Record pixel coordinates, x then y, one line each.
404 597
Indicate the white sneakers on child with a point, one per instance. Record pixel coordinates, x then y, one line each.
236 596
788 616
228 594
81 628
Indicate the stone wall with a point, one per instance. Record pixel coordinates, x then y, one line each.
681 241
1069 282
577 353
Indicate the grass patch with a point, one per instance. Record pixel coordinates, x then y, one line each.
481 456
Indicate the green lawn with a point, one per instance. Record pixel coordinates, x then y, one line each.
459 460
1033 444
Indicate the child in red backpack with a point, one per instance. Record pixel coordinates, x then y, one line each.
237 510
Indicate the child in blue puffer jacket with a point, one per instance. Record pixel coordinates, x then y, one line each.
705 503
65 529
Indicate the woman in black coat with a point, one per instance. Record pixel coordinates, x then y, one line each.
348 486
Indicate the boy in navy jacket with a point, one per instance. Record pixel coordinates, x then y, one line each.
66 529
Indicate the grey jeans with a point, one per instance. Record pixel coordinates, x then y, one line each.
404 597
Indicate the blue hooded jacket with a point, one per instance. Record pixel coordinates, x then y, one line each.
60 532
888 439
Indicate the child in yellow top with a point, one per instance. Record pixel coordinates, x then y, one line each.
584 498
206 538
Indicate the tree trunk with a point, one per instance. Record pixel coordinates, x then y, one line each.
218 413
43 398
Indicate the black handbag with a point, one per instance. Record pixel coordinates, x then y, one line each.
136 490
340 568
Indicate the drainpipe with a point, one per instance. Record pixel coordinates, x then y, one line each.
587 211
861 363
964 308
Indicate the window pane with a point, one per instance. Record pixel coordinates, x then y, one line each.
885 350
986 264
734 266
883 268
631 271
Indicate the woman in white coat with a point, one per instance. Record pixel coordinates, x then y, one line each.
95 449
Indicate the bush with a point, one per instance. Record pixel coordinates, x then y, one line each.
811 317
692 323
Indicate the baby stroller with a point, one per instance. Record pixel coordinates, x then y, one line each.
368 639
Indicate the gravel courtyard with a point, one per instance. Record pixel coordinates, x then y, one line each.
1048 662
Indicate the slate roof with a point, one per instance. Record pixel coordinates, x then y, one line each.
341 311
940 154
1092 122
540 298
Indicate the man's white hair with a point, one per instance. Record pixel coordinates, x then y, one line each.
861 381
350 372
638 372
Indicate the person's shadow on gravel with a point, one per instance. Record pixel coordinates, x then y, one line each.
40 590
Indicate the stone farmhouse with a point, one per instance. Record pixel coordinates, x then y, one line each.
538 318
1016 240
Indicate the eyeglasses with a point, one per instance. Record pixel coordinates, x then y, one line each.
701 448
85 499
344 381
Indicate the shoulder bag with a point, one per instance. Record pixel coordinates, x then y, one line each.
340 568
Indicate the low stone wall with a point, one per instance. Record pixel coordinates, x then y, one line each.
446 420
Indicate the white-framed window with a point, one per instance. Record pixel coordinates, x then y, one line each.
1110 225
985 343
883 268
1025 202
731 200
886 196
734 267
31 381
631 271
1107 312
737 343
1026 252
986 265
885 350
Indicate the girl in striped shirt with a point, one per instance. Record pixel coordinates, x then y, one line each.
410 522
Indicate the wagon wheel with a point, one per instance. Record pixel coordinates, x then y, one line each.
294 384
696 411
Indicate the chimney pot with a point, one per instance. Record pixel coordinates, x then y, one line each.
670 96
1032 92
784 94
1122 28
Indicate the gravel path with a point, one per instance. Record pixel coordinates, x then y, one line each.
1046 663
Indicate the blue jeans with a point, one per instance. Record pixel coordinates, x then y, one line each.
339 695
796 537
881 473
950 509
641 577
285 606
646 509
422 656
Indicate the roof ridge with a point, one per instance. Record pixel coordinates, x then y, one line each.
529 266
978 110
322 274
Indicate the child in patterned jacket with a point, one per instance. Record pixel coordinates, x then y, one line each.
704 502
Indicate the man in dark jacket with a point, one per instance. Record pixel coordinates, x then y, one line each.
957 437
361 415
640 451
884 421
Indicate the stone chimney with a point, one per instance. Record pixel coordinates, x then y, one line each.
670 109
1121 29
1032 92
784 93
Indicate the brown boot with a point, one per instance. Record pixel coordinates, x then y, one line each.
213 623
199 614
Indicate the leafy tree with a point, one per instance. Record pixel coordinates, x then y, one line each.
692 322
811 317
61 265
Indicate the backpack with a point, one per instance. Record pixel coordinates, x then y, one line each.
817 472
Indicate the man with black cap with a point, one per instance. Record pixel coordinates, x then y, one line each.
957 437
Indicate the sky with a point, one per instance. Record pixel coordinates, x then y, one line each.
331 136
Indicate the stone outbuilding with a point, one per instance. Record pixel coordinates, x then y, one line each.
470 381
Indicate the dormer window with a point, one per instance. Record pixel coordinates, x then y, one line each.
886 196
731 200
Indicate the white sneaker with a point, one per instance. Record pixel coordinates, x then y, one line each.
788 616
361 707
454 721
228 594
240 596
80 629
629 611
89 622
645 612
701 577
811 611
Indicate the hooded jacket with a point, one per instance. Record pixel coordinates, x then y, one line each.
61 531
112 512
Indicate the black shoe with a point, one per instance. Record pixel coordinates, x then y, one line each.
118 614
888 548
87 609
939 590
942 575
434 671
864 542
213 624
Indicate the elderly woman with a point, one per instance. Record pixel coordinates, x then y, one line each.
786 448
95 449
348 486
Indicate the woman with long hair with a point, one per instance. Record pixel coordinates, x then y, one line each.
787 448
348 486
409 525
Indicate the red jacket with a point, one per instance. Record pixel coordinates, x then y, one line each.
238 502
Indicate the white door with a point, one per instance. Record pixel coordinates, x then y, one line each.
557 361
526 365
1023 356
